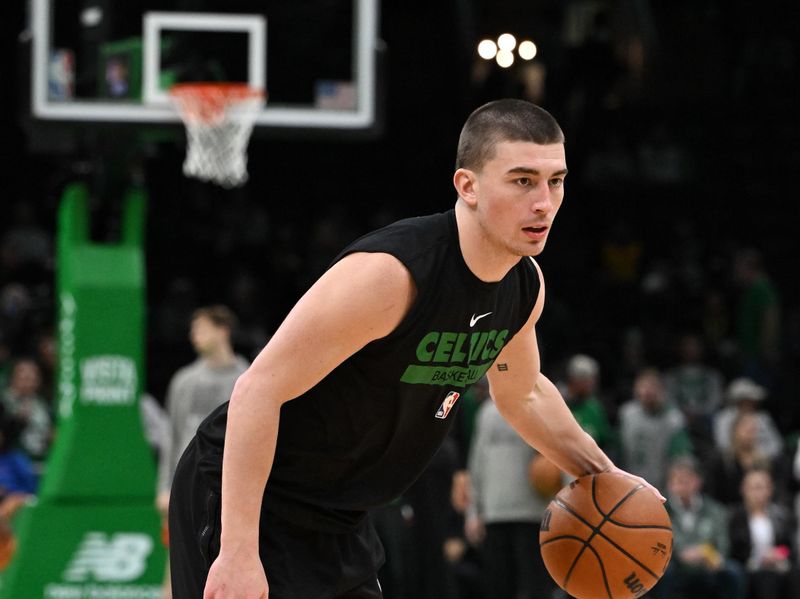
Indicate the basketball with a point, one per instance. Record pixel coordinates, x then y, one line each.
606 536
544 476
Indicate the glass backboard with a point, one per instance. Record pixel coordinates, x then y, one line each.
103 61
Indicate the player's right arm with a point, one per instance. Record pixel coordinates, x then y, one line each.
361 298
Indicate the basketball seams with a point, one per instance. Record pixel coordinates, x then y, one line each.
575 561
586 545
571 510
561 538
640 526
608 518
596 531
567 563
627 496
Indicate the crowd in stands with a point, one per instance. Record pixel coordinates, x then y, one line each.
706 412
684 376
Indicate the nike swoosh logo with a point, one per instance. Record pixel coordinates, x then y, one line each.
475 319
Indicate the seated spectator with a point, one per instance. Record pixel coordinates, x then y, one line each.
762 539
22 400
580 393
18 480
744 395
726 469
696 388
700 565
652 430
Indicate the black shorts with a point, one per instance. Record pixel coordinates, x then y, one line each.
299 563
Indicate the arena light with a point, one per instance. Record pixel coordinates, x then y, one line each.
527 50
505 58
487 49
91 16
507 42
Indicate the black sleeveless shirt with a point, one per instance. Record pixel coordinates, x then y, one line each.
364 433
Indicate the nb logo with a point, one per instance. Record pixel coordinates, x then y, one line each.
123 557
634 584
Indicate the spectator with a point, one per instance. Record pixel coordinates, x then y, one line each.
195 390
23 402
581 397
700 565
697 390
762 537
652 430
506 512
744 395
18 479
727 468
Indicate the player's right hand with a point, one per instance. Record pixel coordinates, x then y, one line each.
236 576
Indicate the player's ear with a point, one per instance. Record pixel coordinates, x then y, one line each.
465 183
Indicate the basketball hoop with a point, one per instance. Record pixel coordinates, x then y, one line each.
219 119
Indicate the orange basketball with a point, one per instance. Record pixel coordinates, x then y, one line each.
544 476
606 536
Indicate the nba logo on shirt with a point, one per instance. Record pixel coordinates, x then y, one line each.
447 405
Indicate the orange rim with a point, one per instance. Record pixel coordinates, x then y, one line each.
206 101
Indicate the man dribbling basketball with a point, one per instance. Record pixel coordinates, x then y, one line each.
373 359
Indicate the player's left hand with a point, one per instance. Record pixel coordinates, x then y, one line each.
658 494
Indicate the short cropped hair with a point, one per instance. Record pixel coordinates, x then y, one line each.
220 315
504 120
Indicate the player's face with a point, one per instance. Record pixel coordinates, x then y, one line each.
519 192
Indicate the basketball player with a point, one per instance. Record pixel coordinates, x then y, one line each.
354 393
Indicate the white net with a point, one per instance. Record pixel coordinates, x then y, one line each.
219 120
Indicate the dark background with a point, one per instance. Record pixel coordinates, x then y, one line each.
682 140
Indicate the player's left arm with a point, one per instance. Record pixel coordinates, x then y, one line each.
534 407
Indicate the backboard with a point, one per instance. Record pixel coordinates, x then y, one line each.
102 61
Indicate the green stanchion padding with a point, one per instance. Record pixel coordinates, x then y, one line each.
94 531
70 552
100 451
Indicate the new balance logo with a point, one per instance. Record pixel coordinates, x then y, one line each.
121 558
634 584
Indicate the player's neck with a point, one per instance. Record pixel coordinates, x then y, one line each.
487 262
